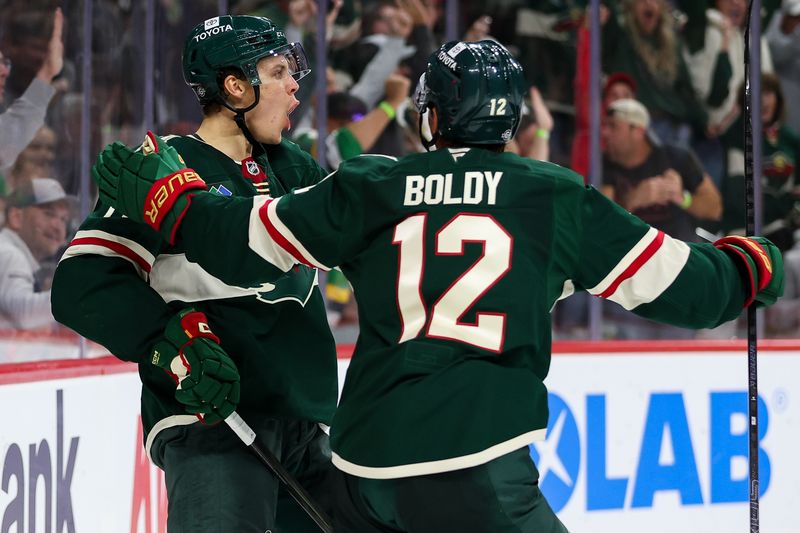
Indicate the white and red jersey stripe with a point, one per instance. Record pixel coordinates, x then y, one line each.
269 237
96 242
645 272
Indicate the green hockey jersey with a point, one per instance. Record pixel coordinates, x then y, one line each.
119 283
456 258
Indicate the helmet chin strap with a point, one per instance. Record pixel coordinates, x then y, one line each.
240 121
428 144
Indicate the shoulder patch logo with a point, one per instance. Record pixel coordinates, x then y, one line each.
221 190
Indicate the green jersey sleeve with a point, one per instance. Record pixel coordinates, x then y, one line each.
252 241
617 256
100 286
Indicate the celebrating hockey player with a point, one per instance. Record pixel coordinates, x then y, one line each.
456 257
265 347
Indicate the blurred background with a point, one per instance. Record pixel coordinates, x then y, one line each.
76 75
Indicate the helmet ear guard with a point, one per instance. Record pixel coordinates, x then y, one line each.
422 104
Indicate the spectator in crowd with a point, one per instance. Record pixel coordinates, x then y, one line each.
479 29
353 129
643 42
37 215
784 319
37 160
406 29
783 36
617 85
715 56
298 18
780 157
663 185
533 138
25 115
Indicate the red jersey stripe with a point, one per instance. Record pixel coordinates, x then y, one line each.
120 249
278 237
634 267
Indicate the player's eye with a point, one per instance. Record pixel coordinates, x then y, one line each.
279 72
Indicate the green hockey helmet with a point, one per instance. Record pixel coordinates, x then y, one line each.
477 89
240 41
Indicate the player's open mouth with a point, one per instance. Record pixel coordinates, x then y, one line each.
288 113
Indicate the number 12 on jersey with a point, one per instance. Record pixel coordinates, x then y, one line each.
488 331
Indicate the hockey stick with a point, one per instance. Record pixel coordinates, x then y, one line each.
248 436
752 332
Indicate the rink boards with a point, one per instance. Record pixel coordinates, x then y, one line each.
641 438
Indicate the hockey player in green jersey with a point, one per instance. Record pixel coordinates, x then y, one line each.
264 347
456 257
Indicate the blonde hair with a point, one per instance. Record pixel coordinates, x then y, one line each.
660 55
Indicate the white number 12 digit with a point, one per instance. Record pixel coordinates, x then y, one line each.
488 331
497 106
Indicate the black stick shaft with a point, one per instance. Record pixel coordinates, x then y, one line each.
752 330
300 495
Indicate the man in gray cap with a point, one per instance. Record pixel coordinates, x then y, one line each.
37 215
663 185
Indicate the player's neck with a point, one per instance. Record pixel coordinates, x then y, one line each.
224 135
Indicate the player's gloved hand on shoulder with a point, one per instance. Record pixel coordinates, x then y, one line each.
762 266
208 381
150 185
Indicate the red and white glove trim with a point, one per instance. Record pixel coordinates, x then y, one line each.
746 248
165 192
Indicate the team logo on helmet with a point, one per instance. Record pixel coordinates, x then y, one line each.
215 30
252 168
506 136
448 61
